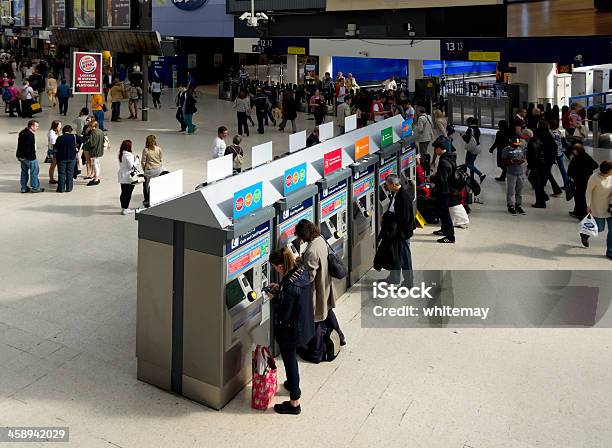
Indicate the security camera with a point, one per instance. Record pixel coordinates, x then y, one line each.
262 16
245 16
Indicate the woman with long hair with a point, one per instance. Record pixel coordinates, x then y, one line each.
151 164
52 136
293 320
127 162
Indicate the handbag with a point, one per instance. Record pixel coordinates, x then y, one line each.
335 266
264 378
136 176
36 108
588 226
472 146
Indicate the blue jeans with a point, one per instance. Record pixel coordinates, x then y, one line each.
469 161
65 175
562 169
99 114
188 119
601 225
29 168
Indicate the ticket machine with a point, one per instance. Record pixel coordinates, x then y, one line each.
388 163
362 216
289 211
201 309
332 216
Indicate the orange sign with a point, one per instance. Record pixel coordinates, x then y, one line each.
362 147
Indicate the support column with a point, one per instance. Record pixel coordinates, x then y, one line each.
539 77
291 76
415 71
325 65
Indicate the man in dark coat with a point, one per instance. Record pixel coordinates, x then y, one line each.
402 211
447 165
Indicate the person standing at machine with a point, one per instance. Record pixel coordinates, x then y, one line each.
442 179
293 321
423 130
313 138
323 291
401 211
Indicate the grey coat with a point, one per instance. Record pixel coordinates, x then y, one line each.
323 291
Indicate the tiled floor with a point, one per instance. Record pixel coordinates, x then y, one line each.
67 329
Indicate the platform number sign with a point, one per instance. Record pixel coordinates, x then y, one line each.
453 49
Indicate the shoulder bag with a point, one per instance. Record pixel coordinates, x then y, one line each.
136 176
335 266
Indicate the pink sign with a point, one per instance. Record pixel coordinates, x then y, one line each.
332 161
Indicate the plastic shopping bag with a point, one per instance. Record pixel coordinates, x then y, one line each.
588 226
264 378
459 216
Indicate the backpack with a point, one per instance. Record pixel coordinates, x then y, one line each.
7 95
460 178
538 150
238 157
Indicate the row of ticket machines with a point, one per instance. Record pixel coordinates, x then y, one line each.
190 342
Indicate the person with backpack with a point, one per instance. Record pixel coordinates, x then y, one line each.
472 147
502 138
323 292
423 130
541 153
445 184
513 157
293 321
237 153
10 95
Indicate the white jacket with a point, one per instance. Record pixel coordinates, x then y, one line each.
128 161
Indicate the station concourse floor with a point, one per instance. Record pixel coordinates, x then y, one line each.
67 327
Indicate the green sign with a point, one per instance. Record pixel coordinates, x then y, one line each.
386 137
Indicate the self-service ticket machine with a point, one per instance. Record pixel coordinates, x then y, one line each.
200 305
289 211
362 225
388 163
332 216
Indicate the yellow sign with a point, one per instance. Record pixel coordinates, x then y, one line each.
489 56
362 147
296 50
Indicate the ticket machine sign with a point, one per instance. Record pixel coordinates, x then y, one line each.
332 161
294 179
407 128
386 137
247 200
408 159
362 147
387 170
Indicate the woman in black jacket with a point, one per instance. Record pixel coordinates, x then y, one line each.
502 139
289 111
580 168
293 320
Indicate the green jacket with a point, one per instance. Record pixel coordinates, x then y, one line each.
95 144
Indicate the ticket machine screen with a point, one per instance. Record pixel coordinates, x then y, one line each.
233 294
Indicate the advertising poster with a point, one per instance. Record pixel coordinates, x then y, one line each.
332 161
19 12
407 128
85 13
35 9
58 13
248 200
87 73
294 179
362 147
386 137
118 13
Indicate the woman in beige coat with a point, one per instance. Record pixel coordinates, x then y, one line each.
598 198
324 293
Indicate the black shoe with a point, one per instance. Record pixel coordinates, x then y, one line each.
609 257
438 233
520 210
286 408
52 181
93 182
28 189
584 240
500 179
482 177
536 205
446 240
512 211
